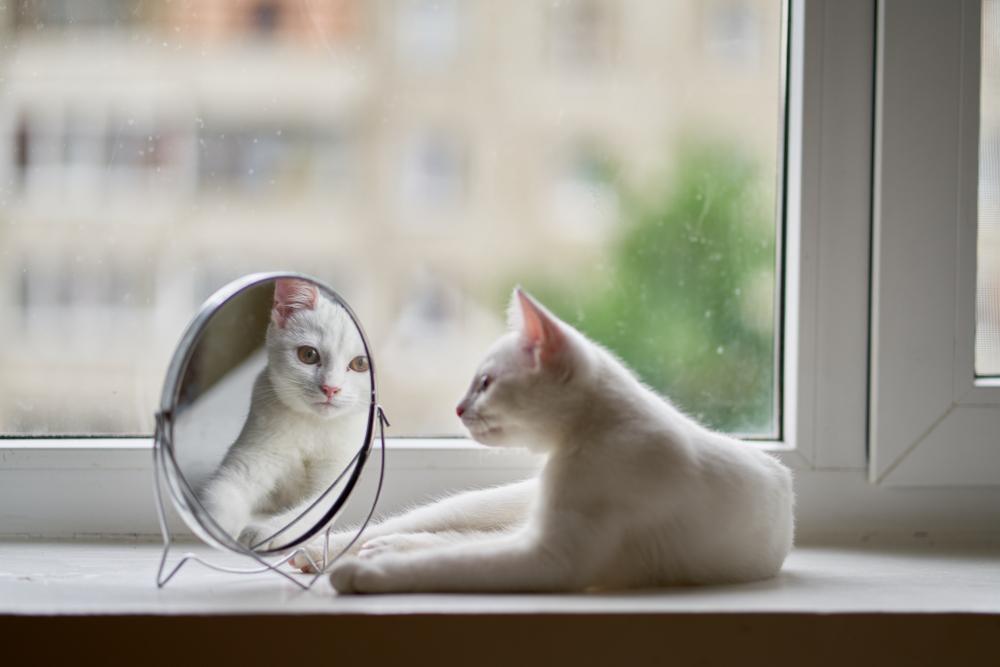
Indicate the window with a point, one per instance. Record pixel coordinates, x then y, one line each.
935 411
573 151
506 160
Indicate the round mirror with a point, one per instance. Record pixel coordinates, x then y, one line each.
268 413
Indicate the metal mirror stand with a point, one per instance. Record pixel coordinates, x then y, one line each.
162 468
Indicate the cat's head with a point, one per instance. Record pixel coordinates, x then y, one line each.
316 359
521 390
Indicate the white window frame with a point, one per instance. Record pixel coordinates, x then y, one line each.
61 487
933 422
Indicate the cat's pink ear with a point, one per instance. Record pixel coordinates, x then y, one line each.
290 295
541 333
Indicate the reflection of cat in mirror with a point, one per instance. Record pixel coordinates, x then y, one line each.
633 493
308 416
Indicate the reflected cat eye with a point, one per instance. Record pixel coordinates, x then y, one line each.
484 382
308 355
359 364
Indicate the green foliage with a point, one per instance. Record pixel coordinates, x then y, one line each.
686 297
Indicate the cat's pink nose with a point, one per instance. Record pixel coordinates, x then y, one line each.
329 391
460 410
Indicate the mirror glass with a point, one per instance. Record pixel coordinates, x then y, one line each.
271 403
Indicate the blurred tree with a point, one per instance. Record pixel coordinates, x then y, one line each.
686 297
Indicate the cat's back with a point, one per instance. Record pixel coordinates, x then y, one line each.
741 511
724 458
721 510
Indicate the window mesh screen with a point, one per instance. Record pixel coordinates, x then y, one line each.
988 293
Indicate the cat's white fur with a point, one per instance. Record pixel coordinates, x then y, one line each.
296 438
633 493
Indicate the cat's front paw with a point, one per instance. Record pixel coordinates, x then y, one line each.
255 536
399 543
314 558
309 559
353 575
251 535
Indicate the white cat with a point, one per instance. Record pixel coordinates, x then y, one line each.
307 418
633 493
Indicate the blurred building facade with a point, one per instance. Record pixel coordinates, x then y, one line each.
416 154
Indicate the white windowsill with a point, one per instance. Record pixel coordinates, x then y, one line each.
117 578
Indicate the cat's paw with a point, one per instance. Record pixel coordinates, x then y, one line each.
307 559
310 557
353 575
251 535
399 543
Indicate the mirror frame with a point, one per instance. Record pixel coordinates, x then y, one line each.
183 496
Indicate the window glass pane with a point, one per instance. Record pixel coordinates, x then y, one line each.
618 158
988 294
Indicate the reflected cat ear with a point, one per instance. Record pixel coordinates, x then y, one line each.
541 333
290 295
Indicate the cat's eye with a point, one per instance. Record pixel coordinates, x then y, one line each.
484 382
359 364
308 354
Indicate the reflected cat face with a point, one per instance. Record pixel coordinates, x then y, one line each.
316 358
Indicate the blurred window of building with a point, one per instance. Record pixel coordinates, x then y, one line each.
582 33
301 25
255 159
428 33
433 170
22 151
732 31
66 153
127 145
65 289
584 193
38 14
266 16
